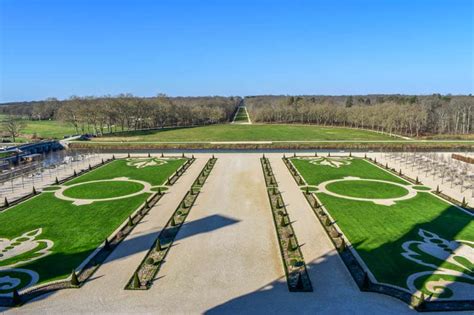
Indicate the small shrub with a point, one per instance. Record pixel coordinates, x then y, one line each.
107 244
136 281
34 190
327 222
437 189
74 280
16 297
150 261
130 222
6 203
56 182
283 221
299 282
158 245
464 203
366 281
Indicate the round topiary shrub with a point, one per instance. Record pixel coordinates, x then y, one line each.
150 261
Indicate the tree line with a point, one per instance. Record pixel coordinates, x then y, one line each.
108 114
407 115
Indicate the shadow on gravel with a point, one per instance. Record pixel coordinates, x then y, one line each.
131 246
334 293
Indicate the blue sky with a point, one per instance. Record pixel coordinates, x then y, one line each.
69 47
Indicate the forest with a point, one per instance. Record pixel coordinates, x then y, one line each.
410 115
99 115
405 115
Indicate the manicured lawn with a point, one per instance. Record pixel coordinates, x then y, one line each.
102 190
315 174
153 175
254 132
73 231
379 232
241 115
366 189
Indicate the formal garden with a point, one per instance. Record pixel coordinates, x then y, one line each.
54 235
403 234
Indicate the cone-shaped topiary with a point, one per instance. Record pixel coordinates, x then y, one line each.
417 181
350 154
327 222
147 204
366 282
158 245
128 155
275 191
299 282
291 245
106 244
159 190
342 247
365 155
130 222
34 190
386 165
149 155
75 174
329 153
90 167
173 222
102 161
279 205
185 205
307 190
182 155
56 181
316 205
375 160
74 280
464 203
6 203
437 189
301 181
162 155
16 298
283 221
136 281
400 172
113 157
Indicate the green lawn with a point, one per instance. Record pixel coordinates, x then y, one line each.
254 132
365 189
48 129
241 115
379 232
102 190
75 230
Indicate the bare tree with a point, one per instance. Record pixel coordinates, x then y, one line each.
13 126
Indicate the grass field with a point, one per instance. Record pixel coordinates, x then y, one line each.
402 244
48 236
254 132
241 115
47 129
